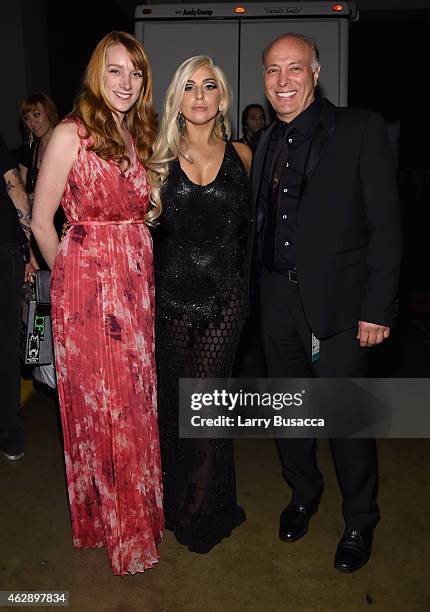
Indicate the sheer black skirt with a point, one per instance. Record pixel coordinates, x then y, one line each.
200 502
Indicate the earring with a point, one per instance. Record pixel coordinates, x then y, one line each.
30 138
223 126
180 120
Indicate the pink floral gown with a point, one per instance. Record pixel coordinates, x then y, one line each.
103 319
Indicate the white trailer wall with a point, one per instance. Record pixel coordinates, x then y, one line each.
236 45
170 43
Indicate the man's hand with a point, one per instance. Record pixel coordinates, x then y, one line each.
370 334
29 273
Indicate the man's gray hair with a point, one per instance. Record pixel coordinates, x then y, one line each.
309 41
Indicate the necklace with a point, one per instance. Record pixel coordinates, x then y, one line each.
40 152
43 143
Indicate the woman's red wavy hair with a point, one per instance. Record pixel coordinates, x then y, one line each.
94 111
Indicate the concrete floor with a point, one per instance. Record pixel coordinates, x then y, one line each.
250 571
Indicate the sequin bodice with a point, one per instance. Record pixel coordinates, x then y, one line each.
200 249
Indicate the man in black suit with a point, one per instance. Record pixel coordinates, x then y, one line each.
328 243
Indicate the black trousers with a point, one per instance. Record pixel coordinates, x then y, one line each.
287 345
12 267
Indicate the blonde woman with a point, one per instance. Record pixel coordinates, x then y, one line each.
201 290
102 305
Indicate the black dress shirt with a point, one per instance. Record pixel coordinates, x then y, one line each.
283 172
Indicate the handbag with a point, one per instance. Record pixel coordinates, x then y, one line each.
36 329
46 375
43 286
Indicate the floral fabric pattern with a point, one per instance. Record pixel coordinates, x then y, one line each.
103 320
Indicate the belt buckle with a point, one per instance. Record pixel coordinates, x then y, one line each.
292 276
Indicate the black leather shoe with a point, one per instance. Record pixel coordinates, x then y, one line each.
13 456
353 550
294 521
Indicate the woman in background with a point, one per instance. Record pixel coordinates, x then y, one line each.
39 115
253 121
102 305
201 290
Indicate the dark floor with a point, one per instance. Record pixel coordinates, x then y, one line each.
252 570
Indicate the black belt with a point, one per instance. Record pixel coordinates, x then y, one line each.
290 274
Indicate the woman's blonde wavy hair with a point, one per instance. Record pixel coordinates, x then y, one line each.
93 109
170 143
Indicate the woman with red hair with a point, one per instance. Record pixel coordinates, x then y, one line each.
102 304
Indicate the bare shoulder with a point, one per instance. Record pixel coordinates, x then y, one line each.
244 153
63 145
66 132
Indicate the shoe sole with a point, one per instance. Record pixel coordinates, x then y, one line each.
12 457
345 570
292 540
349 571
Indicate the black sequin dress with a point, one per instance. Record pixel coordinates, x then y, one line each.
201 304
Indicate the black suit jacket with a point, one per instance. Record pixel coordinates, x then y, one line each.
348 242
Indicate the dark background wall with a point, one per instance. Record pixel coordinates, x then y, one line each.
388 58
72 40
24 53
48 44
387 61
